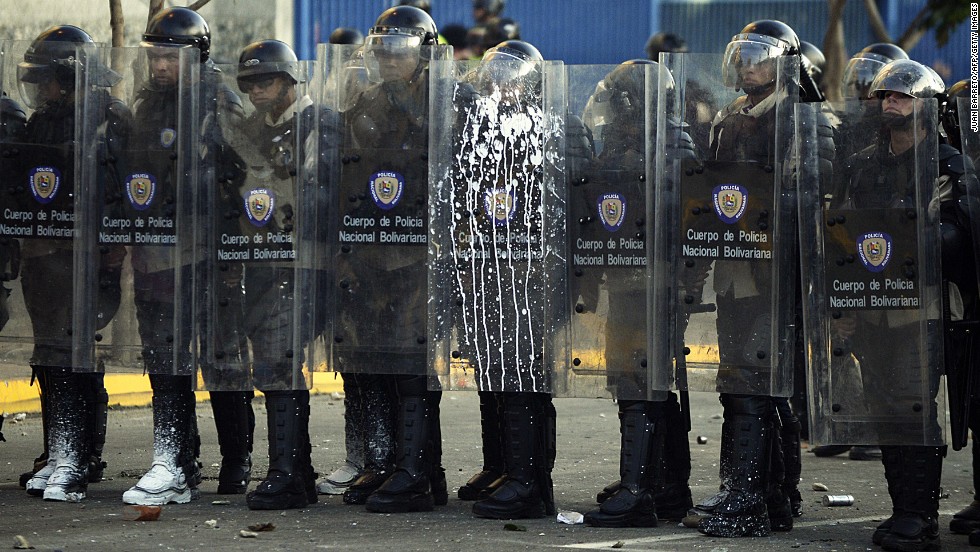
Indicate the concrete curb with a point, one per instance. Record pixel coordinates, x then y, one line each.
19 395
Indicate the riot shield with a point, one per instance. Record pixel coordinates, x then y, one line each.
606 230
870 241
255 326
724 257
378 221
962 352
37 224
497 213
135 208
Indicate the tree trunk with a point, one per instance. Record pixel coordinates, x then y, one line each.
834 50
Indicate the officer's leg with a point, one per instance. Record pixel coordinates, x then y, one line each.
36 479
69 403
174 461
342 477
289 482
379 435
234 421
632 505
409 488
673 494
967 520
493 448
915 497
523 493
746 442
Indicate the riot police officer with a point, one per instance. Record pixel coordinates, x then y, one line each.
864 65
385 131
74 405
485 10
655 457
883 175
175 473
760 451
962 395
283 124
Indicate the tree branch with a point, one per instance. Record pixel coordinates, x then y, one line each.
834 50
116 23
199 4
877 23
916 30
155 6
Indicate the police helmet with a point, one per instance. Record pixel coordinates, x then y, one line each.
266 59
620 97
664 42
908 77
864 65
346 35
404 26
52 55
813 61
179 27
424 5
759 42
511 59
951 112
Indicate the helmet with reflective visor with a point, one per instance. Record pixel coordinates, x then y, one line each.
54 56
179 28
511 59
619 99
758 45
864 65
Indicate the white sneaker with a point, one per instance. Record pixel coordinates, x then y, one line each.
339 480
68 483
163 484
37 483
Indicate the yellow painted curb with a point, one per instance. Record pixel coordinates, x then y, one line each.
128 390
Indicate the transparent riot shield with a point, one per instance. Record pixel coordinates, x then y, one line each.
256 326
378 221
962 352
724 257
135 208
497 232
37 181
870 241
606 229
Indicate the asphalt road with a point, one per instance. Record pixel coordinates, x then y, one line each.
588 445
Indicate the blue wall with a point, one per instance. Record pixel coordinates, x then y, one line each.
611 31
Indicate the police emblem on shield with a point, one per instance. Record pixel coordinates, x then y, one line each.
167 137
44 183
259 205
612 211
729 201
875 250
500 205
140 190
386 189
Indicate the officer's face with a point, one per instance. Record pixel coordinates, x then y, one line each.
265 93
757 74
896 103
164 67
397 63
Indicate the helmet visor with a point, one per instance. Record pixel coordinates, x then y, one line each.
743 56
503 65
391 56
856 82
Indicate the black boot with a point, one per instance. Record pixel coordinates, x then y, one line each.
69 406
915 526
98 421
778 505
632 505
746 444
379 437
493 448
891 460
40 375
408 489
437 473
790 433
234 421
673 494
286 484
967 520
523 492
